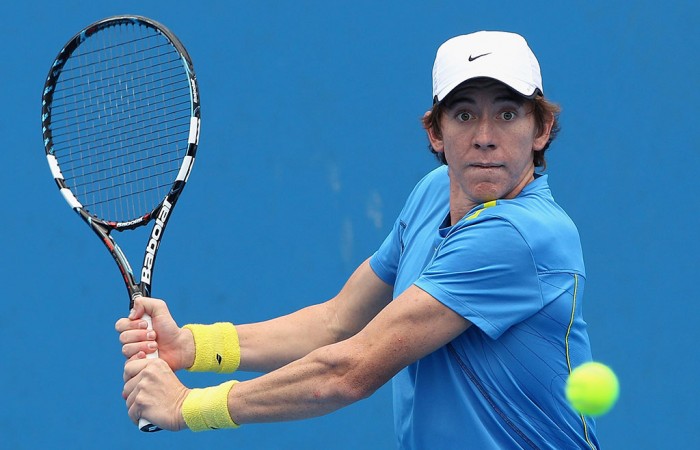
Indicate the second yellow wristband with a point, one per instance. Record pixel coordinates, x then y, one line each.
207 409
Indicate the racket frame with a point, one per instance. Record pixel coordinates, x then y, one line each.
163 211
161 214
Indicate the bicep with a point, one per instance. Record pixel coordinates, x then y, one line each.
358 302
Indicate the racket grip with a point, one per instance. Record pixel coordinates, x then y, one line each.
145 425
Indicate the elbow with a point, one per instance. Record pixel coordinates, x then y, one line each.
353 372
354 388
337 328
357 379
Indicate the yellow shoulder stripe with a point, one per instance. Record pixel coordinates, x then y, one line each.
483 207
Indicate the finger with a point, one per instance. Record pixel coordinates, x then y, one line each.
137 335
137 310
138 355
133 408
134 341
154 307
133 350
133 367
126 324
133 414
130 384
121 324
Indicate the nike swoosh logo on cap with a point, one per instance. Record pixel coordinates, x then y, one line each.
472 58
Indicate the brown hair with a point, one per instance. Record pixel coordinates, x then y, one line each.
541 108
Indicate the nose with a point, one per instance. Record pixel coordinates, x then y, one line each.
484 136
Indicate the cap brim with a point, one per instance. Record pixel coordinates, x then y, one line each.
523 88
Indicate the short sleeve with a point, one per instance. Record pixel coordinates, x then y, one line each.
385 261
485 272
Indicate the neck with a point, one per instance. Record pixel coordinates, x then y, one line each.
459 204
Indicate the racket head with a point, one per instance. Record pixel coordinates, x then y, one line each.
121 120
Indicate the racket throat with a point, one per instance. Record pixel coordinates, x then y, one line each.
149 258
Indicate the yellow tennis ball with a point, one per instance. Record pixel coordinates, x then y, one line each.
592 389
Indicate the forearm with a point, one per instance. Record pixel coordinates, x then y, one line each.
323 381
268 345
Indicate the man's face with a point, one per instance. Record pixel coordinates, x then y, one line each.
488 138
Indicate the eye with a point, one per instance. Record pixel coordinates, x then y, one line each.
508 115
464 117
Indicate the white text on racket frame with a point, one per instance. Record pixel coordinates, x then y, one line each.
152 246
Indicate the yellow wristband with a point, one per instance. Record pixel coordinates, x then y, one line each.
216 347
207 409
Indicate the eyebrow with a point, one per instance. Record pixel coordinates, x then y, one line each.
506 96
511 96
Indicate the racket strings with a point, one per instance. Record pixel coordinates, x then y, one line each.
120 121
144 162
110 65
123 43
116 128
113 195
80 105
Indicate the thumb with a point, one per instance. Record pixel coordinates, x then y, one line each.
145 305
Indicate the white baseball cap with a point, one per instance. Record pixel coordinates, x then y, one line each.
500 55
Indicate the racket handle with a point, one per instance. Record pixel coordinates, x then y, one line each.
145 425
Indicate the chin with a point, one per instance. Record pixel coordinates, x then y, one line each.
487 193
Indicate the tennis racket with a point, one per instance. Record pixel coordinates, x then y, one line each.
121 118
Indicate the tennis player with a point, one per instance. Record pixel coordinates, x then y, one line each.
472 306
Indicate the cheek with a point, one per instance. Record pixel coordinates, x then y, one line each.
536 135
454 149
527 136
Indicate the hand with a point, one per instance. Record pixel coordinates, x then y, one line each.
175 345
153 392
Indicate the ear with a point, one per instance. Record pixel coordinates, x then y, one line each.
434 135
542 139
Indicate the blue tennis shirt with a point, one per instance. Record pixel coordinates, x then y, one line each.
514 269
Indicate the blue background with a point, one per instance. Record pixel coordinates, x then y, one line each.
310 143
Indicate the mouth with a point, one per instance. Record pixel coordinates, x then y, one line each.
485 165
